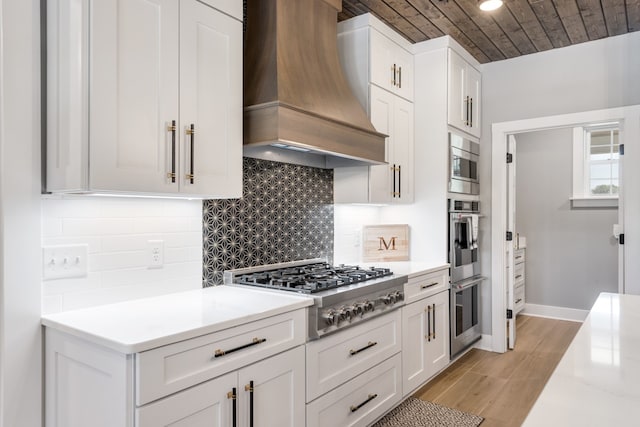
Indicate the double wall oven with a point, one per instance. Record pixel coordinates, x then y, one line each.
465 273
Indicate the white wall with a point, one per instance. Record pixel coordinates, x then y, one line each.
20 332
116 231
347 234
589 76
571 254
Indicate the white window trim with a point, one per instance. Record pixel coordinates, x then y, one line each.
580 197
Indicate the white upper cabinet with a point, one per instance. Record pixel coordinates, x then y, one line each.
380 72
394 116
463 95
391 66
211 101
126 79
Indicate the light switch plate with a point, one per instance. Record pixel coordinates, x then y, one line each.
64 261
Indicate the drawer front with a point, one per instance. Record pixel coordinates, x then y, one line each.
335 359
518 275
174 367
519 299
426 285
360 401
519 256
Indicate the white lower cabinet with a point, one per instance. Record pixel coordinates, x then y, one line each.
360 401
355 376
275 384
425 340
255 370
336 358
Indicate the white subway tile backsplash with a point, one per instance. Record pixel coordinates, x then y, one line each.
100 226
51 304
117 231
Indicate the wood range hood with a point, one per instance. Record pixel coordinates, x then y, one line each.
298 106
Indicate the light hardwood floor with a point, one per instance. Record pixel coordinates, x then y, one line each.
502 388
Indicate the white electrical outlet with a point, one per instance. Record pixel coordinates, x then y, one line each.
156 253
64 261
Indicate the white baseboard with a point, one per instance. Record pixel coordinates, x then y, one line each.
485 343
552 312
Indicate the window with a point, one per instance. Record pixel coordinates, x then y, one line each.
602 154
596 155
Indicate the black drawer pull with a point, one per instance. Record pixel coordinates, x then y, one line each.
354 352
518 276
518 300
429 285
354 408
255 341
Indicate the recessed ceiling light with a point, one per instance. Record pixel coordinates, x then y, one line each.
488 5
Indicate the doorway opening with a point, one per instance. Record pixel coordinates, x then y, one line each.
503 207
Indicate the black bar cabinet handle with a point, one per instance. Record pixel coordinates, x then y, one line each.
399 181
255 341
433 313
192 133
369 345
234 402
467 118
429 285
428 323
172 129
394 180
394 75
354 408
471 114
399 77
249 388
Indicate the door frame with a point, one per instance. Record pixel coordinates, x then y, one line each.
629 275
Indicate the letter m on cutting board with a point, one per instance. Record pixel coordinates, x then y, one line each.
385 243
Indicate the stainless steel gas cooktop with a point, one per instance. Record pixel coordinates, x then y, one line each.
343 295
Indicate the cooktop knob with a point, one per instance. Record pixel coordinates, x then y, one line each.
330 317
369 306
344 313
386 299
359 308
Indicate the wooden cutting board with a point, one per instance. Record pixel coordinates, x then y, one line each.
385 242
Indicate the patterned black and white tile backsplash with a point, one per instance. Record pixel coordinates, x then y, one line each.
285 214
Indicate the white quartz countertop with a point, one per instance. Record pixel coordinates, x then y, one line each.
139 325
409 268
597 382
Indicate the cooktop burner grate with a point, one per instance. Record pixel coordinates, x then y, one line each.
311 278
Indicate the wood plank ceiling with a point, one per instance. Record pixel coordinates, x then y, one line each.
519 27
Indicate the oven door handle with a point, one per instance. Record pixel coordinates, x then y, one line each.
460 286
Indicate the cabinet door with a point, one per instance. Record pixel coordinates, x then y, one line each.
414 357
404 61
134 94
278 391
438 346
207 405
402 146
211 101
383 72
382 114
425 340
473 91
457 101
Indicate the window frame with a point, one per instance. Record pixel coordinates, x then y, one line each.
582 197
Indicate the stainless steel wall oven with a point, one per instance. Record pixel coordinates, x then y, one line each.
465 276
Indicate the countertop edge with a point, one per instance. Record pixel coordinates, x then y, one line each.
145 345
